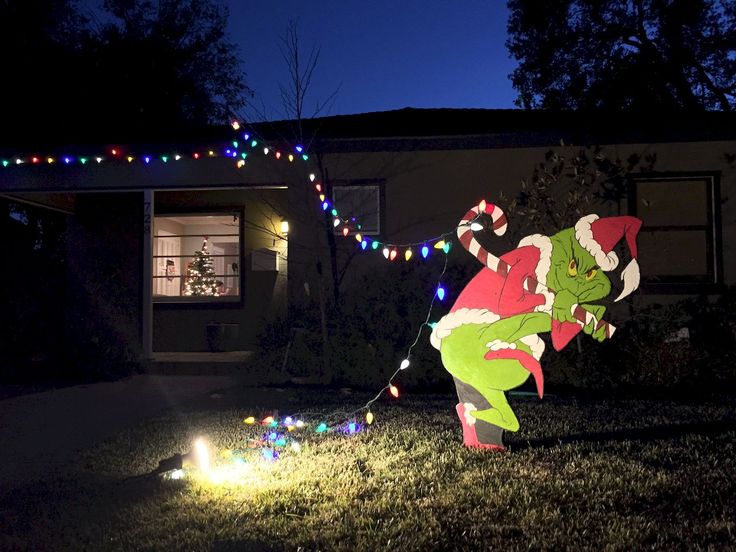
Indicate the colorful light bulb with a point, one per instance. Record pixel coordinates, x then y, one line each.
482 206
440 244
321 428
369 418
375 245
404 364
386 252
425 251
250 420
476 226
393 254
345 231
441 293
312 176
407 254
393 390
358 237
363 244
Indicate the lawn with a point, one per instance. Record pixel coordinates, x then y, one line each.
616 474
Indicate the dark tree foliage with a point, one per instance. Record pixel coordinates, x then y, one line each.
138 66
637 55
168 62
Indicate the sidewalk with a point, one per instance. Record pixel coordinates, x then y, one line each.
42 432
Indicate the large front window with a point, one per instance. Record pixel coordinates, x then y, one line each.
196 257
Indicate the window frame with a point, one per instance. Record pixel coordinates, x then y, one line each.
710 282
207 301
377 183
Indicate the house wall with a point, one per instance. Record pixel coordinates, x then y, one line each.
182 326
426 192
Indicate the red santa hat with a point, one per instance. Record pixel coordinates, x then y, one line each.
598 236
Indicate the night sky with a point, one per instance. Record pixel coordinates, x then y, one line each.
383 54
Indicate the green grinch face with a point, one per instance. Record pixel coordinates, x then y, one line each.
575 270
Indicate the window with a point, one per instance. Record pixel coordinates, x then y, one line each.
361 201
197 257
679 243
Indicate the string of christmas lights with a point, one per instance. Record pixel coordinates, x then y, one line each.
243 145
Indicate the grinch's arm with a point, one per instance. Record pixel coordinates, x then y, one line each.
514 328
520 264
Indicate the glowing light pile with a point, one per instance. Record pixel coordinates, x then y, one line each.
236 466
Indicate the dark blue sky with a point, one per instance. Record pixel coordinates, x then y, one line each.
384 54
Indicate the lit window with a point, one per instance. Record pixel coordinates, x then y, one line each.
359 204
196 257
679 242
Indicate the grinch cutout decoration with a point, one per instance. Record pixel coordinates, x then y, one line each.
489 340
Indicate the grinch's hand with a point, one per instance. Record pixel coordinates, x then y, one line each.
561 308
593 326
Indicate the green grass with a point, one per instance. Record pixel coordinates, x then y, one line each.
618 474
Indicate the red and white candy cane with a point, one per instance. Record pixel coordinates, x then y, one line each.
465 234
584 318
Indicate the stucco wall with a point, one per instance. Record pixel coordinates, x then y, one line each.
426 192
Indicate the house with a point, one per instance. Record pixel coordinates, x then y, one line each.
139 218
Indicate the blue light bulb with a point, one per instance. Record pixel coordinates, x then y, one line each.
425 251
440 293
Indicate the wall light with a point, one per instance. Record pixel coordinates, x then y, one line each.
284 227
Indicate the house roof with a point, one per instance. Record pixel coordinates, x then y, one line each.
453 128
411 128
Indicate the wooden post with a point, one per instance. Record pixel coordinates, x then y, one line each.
147 299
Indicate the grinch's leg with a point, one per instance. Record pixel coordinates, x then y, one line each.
476 433
500 413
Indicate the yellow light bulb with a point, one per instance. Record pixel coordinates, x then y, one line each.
440 244
408 254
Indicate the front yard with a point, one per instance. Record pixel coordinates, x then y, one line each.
617 474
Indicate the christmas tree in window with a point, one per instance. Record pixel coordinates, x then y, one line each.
201 274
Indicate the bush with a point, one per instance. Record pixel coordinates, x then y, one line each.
688 346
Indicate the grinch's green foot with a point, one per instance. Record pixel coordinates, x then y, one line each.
494 416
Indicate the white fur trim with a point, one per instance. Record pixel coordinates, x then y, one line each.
535 343
631 278
584 235
469 418
458 318
497 345
544 245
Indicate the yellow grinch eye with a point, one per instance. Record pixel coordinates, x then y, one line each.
572 268
589 275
